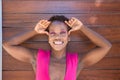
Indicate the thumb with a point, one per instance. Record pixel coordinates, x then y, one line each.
45 32
70 31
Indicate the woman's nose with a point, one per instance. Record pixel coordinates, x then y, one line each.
57 35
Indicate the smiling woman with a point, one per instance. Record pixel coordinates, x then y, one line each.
21 16
57 61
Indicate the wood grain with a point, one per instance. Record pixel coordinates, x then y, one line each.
58 7
92 19
84 75
97 1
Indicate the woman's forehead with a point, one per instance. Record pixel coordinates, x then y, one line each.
58 25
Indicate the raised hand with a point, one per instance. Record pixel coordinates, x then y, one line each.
42 26
74 23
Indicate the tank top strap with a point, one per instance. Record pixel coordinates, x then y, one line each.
71 66
42 70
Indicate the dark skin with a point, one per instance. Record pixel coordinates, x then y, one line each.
57 63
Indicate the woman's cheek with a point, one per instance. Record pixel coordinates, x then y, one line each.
50 40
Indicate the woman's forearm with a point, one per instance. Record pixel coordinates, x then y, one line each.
19 38
95 37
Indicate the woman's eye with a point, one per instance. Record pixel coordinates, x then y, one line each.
63 32
52 33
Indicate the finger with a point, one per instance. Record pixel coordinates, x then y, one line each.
41 26
46 33
70 21
75 19
44 22
73 22
47 24
70 31
40 21
67 23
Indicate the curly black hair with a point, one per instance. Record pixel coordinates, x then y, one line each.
60 18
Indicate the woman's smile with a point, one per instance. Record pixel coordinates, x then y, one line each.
58 42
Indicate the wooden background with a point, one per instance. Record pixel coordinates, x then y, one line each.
102 16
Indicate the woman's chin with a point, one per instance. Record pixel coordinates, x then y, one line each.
58 48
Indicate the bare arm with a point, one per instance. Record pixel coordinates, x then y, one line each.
12 46
15 50
102 45
101 49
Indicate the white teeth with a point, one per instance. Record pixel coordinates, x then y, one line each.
58 42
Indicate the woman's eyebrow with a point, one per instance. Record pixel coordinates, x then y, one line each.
63 29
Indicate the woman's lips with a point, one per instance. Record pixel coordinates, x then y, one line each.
58 42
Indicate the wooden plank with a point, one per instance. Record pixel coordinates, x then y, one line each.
30 20
97 1
99 75
10 63
110 33
58 7
111 60
84 75
18 75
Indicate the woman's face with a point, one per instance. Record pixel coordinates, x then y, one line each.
58 35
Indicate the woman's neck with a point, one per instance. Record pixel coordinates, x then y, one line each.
58 54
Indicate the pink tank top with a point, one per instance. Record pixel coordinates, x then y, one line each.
43 60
